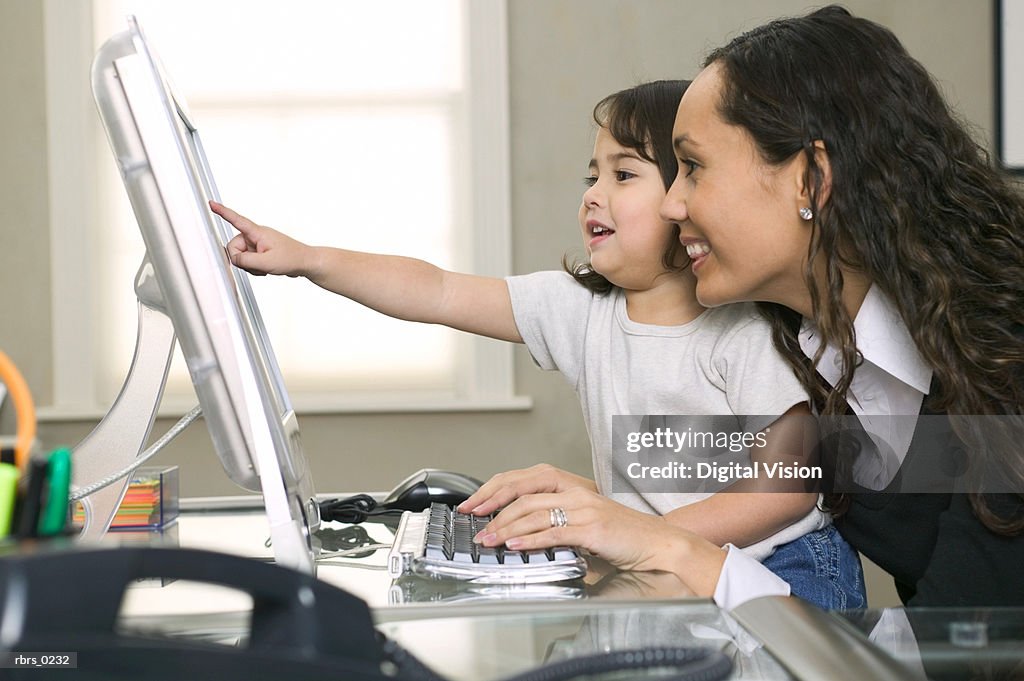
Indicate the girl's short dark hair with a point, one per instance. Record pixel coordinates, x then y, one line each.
639 118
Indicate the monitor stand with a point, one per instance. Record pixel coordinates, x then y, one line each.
119 438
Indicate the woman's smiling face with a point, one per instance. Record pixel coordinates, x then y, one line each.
738 217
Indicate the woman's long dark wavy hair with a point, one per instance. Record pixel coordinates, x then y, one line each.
640 118
913 204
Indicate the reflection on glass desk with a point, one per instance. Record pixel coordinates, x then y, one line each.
475 632
949 643
495 643
495 646
364 573
463 631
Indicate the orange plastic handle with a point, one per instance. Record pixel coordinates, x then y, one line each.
23 406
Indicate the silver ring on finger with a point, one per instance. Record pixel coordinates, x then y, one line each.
557 517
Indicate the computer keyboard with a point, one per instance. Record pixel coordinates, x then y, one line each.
438 542
413 589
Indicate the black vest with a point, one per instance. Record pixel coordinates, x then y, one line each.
937 551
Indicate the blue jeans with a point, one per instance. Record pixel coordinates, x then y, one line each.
821 568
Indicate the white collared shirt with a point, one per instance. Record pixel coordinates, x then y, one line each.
892 381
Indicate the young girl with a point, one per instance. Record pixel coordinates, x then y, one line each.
628 333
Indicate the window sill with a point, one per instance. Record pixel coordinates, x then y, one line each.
323 405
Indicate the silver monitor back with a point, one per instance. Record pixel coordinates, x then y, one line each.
210 302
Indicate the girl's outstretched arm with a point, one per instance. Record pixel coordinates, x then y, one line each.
405 288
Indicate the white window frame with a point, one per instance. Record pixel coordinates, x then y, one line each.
74 135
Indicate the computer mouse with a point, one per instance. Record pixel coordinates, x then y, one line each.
430 485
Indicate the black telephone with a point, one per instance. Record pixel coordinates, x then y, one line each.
68 601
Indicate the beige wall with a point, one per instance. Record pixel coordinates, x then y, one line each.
564 56
24 212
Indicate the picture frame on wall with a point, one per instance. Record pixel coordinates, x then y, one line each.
1009 84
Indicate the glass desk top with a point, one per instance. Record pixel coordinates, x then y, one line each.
365 573
484 633
948 643
496 646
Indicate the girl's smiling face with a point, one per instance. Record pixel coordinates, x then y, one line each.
623 232
738 217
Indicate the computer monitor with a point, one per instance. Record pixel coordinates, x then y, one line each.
210 303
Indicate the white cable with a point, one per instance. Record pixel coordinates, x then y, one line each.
352 564
327 555
175 430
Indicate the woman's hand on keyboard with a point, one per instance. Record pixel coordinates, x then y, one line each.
628 539
504 488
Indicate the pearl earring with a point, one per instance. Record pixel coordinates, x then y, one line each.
806 213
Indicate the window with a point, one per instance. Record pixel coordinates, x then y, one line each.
373 126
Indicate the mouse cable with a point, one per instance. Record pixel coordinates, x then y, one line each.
347 542
154 449
360 552
354 509
351 541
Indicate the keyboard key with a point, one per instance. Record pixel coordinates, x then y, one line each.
513 558
487 556
562 553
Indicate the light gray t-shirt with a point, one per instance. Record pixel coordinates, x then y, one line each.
722 362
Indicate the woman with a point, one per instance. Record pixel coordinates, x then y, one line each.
821 173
